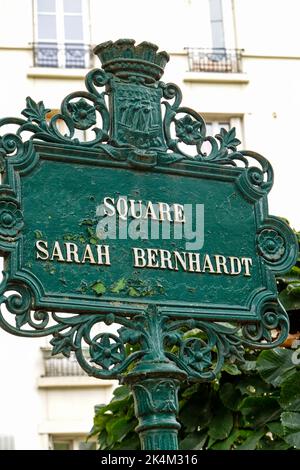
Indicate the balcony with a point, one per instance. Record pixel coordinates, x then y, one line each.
214 60
70 56
61 372
61 366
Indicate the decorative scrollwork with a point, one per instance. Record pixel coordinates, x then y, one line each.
144 137
76 113
190 129
273 319
133 129
196 347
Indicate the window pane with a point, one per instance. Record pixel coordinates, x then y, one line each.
72 6
7 442
209 128
73 28
217 32
87 446
215 9
46 27
225 125
62 445
46 5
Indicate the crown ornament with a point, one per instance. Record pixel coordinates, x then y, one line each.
124 59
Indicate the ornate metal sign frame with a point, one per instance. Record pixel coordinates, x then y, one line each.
135 137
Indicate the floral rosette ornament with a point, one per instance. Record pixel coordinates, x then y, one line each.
83 114
188 130
197 355
106 350
11 219
271 245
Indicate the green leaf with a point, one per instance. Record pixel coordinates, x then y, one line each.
231 369
289 300
191 390
99 288
230 396
193 416
276 444
266 443
194 441
292 276
120 393
227 443
247 366
258 411
275 365
291 426
119 428
276 428
221 424
189 417
253 385
100 421
121 402
252 440
131 442
102 440
290 393
120 406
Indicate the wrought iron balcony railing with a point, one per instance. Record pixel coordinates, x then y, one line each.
214 60
61 366
71 56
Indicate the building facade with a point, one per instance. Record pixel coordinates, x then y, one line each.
237 63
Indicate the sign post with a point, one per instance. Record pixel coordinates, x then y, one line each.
150 226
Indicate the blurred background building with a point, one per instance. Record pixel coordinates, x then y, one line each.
237 63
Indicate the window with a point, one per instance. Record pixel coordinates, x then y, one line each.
215 123
215 47
71 443
7 442
213 127
61 31
216 21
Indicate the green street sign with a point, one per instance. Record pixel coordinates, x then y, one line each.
151 224
92 234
